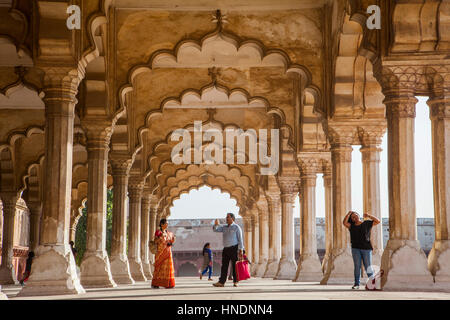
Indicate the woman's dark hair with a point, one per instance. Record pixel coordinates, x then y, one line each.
161 223
31 254
204 247
350 217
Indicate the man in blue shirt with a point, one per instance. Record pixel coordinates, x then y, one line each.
232 242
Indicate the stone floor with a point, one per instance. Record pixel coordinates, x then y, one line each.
256 288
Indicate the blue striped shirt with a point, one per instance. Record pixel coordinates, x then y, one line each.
232 235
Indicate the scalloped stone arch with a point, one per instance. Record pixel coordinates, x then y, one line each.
355 88
233 174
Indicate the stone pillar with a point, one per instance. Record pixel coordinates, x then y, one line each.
403 261
120 268
309 267
153 215
263 240
54 270
7 275
288 266
370 151
134 232
274 202
145 234
35 223
328 193
95 270
340 266
255 241
248 237
439 257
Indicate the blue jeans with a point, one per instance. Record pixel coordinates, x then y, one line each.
206 270
366 257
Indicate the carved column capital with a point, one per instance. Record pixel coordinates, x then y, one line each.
61 85
309 166
98 133
135 189
371 135
120 164
439 108
341 135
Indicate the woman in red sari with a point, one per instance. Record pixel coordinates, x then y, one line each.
164 273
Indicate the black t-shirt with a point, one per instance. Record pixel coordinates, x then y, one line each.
360 235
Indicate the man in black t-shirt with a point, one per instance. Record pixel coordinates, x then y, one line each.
361 246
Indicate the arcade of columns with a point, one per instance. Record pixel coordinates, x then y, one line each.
93 108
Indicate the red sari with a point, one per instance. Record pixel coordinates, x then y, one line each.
164 273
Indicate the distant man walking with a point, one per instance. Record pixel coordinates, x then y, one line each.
232 242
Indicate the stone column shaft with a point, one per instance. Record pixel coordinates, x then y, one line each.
120 268
309 267
153 215
288 266
327 183
371 193
145 236
7 275
439 257
134 233
403 261
95 269
274 236
248 237
54 270
340 266
255 244
263 242
35 223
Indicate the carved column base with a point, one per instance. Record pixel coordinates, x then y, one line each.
262 267
309 268
120 270
405 266
287 269
339 268
147 268
7 275
137 271
53 273
95 271
272 269
439 263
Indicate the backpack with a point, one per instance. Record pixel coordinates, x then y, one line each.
153 246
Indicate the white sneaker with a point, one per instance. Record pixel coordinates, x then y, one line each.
355 287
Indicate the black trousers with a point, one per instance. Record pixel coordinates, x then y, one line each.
228 254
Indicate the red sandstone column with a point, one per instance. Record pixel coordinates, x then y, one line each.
273 263
54 270
288 266
7 274
340 266
309 267
145 234
95 270
370 150
439 257
120 268
403 261
135 189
